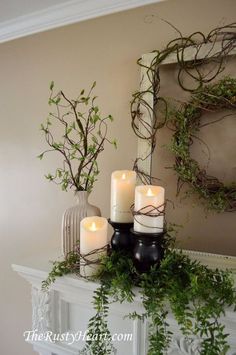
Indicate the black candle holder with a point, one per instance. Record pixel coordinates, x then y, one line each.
147 250
122 237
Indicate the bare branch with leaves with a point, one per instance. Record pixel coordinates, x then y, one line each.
83 134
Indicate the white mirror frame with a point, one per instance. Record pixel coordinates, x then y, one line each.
144 147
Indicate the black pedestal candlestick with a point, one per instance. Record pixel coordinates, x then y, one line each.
122 237
147 250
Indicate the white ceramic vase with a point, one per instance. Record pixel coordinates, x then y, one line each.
72 218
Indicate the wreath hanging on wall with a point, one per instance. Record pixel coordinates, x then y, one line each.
186 121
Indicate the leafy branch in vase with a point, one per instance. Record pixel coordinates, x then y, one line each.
84 134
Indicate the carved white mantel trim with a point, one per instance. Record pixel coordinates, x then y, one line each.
41 310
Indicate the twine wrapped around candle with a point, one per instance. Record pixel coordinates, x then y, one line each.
90 262
92 259
149 207
160 210
149 211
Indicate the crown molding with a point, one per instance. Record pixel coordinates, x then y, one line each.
64 14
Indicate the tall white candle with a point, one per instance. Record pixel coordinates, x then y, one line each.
93 235
145 197
122 195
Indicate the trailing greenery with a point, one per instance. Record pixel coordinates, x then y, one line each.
196 295
77 130
186 123
98 336
61 268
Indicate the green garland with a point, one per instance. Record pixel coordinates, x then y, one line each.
197 296
186 123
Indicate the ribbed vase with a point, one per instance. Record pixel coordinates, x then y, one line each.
71 220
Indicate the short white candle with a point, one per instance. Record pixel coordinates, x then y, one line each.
145 197
122 195
93 235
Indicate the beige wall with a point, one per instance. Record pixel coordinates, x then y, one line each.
105 50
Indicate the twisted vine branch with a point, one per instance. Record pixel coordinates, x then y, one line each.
222 42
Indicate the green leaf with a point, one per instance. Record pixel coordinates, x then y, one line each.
40 156
114 142
59 173
73 125
94 139
68 130
51 85
49 177
95 118
56 145
49 123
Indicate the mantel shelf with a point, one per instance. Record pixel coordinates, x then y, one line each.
40 265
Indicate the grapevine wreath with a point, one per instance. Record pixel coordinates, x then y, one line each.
186 122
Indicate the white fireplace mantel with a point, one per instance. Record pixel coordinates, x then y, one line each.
67 307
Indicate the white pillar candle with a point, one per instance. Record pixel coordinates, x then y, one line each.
93 235
122 195
145 197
